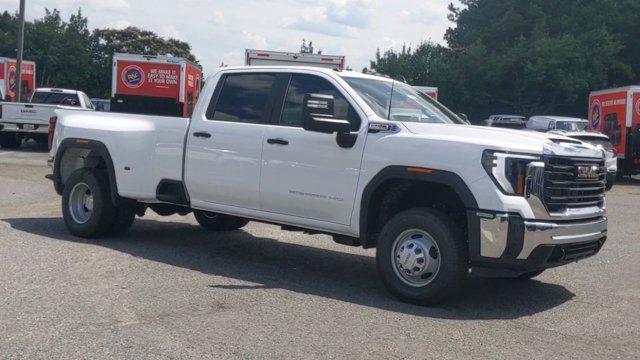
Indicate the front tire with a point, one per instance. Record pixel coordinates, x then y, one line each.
87 207
219 222
422 256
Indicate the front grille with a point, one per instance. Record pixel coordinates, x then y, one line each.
575 252
563 188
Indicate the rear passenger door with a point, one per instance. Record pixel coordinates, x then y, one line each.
224 147
307 174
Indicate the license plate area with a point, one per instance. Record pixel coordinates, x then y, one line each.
28 127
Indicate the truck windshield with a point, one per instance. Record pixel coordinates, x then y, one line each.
55 98
395 100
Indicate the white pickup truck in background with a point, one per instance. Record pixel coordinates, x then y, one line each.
20 121
368 160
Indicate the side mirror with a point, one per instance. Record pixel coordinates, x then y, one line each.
318 114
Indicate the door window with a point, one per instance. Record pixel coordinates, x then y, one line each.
299 86
244 98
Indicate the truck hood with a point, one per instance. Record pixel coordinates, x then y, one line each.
522 141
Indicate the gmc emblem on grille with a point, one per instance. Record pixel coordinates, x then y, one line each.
588 172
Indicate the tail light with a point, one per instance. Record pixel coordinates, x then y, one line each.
52 129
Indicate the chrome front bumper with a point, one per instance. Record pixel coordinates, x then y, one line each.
547 233
509 241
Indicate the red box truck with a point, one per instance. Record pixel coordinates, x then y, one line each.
9 79
154 85
616 112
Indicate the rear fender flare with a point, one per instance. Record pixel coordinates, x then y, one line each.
97 148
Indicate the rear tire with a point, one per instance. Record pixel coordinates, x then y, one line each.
422 256
10 141
219 222
123 220
87 207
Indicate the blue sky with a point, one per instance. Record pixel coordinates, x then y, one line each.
219 31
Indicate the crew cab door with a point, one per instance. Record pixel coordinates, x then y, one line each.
307 174
224 145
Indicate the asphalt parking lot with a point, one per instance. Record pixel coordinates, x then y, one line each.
169 289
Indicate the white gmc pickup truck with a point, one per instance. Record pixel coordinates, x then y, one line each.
20 121
366 159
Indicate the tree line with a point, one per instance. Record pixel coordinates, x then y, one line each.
527 57
69 55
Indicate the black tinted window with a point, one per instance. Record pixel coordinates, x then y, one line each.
55 98
244 98
309 84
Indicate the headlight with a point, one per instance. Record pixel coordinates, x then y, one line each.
508 171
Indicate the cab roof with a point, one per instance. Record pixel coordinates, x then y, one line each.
341 73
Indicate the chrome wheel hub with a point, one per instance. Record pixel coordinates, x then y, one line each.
81 203
415 257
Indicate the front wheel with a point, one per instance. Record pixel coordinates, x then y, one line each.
219 222
421 256
609 185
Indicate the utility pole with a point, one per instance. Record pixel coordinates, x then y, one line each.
20 50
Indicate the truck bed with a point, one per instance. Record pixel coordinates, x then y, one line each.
145 149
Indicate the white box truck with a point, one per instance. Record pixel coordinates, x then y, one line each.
264 57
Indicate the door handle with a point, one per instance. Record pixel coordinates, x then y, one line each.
278 141
202 134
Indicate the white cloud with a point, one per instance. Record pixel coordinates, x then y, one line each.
171 32
221 30
330 21
218 18
254 41
119 24
350 13
108 5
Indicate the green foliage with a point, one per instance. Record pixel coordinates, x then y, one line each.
526 56
69 55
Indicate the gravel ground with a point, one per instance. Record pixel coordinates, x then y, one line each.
169 289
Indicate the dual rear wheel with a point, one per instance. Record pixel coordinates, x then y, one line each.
87 207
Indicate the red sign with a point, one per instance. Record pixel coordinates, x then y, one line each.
148 79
